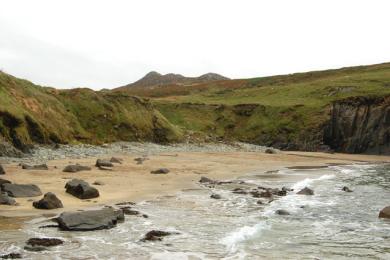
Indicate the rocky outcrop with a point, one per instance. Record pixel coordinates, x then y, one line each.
359 125
21 190
81 189
49 201
90 220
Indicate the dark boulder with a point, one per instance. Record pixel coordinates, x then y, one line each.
2 171
11 256
81 189
21 190
385 213
3 181
35 167
216 196
160 171
116 160
306 191
46 242
155 235
49 201
6 200
76 168
346 189
90 220
282 212
104 163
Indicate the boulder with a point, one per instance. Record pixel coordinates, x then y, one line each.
76 168
346 189
282 212
90 220
81 189
46 242
216 196
21 190
385 213
6 200
116 160
306 191
160 171
35 167
2 171
11 256
49 201
155 235
3 181
104 163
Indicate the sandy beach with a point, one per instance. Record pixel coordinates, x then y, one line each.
132 182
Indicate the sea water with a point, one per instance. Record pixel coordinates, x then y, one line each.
331 224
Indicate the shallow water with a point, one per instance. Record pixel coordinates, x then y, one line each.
332 224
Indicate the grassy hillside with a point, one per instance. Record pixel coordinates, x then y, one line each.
33 114
288 111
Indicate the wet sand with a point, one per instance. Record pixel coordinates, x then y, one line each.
132 182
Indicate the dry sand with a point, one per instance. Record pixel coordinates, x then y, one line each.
132 182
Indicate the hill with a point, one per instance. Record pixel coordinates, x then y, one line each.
153 79
343 109
33 114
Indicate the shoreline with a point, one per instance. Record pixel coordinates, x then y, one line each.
132 182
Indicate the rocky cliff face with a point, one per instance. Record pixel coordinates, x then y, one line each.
359 125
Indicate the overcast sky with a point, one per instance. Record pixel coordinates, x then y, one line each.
104 44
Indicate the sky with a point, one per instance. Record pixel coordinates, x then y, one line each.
106 44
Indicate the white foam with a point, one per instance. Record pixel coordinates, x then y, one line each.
308 181
242 234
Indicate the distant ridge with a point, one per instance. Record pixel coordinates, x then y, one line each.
154 78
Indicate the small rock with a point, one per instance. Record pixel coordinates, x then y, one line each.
76 168
35 167
129 211
282 212
2 171
81 189
155 235
3 181
140 160
306 191
287 189
260 202
206 180
46 242
21 190
49 201
35 248
11 256
103 163
346 189
116 160
239 191
125 203
98 183
216 196
385 213
270 151
103 168
160 171
6 200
